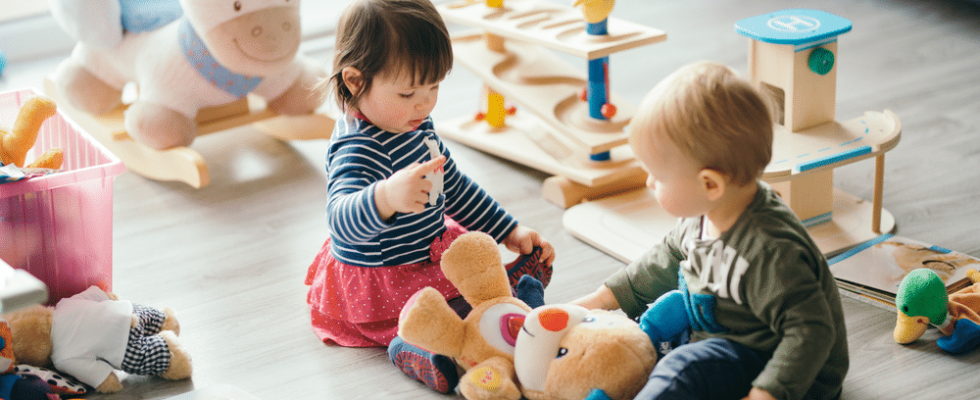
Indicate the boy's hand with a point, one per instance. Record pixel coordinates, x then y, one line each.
601 299
406 191
523 240
758 394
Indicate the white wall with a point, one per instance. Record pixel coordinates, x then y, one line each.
36 36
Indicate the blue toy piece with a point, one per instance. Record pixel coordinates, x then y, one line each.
597 394
597 91
965 337
3 61
794 27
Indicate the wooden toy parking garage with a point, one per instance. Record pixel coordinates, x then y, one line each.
792 55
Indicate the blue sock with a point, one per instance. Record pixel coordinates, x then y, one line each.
530 291
436 371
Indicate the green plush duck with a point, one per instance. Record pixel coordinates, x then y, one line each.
922 301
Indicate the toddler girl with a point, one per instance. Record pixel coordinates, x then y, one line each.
396 199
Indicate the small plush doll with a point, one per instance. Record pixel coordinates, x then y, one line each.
92 334
17 141
922 301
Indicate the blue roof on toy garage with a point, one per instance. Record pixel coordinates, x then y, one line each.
795 27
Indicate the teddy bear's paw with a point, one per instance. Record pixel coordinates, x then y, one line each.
170 322
180 361
111 384
485 382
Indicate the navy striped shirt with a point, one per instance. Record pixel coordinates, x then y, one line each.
360 156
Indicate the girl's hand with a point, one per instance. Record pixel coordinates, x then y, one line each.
406 191
523 241
758 394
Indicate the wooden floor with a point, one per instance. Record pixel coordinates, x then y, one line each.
231 258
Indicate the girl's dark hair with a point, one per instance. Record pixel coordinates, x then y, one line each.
389 37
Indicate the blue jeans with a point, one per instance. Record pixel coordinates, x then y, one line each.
709 369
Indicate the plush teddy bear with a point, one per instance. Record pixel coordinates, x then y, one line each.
214 53
17 141
483 342
92 334
557 352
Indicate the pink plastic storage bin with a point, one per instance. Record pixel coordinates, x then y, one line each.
59 227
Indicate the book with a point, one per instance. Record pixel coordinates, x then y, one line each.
876 268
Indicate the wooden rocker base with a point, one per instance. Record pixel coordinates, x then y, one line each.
184 164
626 226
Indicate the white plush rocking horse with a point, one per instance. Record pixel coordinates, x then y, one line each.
199 66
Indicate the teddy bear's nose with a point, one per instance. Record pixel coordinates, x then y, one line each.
553 319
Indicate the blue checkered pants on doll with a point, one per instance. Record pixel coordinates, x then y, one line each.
146 354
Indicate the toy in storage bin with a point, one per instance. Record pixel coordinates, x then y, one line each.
58 227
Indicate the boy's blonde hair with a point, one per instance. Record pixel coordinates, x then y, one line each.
714 117
389 37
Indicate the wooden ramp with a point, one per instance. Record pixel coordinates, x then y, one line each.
552 130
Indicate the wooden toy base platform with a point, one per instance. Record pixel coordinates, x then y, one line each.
183 164
627 225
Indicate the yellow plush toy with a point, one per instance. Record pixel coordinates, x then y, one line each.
15 143
561 351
